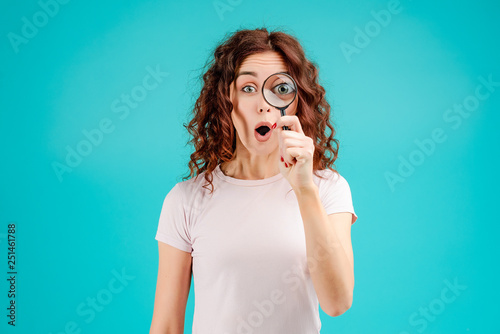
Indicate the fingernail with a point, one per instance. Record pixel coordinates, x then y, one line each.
282 159
286 165
274 126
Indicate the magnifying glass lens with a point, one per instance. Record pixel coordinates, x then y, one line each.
279 90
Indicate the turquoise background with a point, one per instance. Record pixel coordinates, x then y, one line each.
74 235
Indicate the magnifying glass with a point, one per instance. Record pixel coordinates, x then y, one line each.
280 90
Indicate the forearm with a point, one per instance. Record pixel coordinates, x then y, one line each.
331 272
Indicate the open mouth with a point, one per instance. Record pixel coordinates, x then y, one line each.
263 129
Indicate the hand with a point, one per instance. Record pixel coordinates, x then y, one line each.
297 150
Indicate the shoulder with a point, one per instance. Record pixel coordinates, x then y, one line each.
196 183
335 193
331 182
328 176
193 190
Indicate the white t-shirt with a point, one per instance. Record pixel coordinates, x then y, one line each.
248 247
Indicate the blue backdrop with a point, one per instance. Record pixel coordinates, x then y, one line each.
93 97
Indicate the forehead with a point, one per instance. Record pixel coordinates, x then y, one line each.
261 65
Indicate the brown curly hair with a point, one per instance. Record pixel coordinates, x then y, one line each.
211 125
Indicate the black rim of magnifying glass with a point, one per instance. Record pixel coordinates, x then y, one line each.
281 109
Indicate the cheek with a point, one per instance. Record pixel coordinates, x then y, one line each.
244 109
293 107
241 122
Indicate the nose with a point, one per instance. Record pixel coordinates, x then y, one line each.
263 103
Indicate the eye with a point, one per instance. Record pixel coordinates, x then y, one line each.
246 91
283 89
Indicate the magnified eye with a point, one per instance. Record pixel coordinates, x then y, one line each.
284 89
252 89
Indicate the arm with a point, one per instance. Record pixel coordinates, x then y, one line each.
329 252
172 290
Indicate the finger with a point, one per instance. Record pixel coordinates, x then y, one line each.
291 121
293 134
290 142
297 154
291 153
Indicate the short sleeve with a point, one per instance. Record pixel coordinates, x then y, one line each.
335 194
173 225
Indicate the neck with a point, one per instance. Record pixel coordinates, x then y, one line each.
247 171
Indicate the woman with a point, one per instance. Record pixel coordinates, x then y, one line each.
263 256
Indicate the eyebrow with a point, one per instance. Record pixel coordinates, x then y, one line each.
252 73
246 73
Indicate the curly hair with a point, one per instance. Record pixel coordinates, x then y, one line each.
211 126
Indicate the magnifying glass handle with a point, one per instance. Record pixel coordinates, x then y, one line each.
282 111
